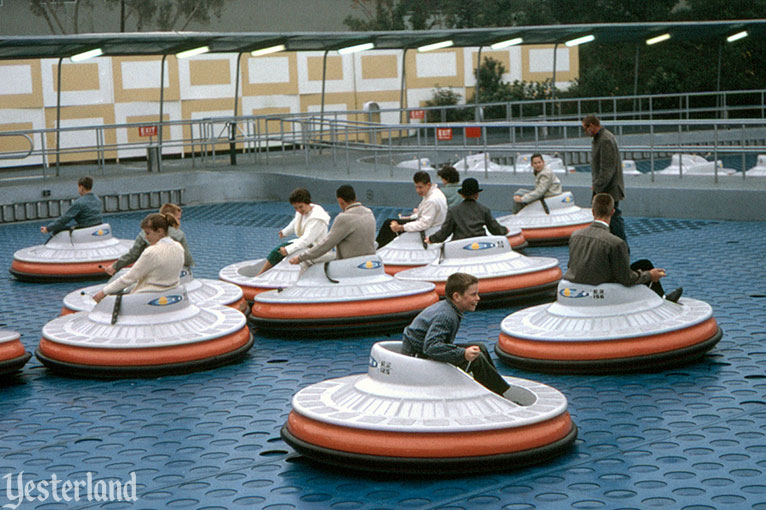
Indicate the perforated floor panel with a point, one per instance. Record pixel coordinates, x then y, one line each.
689 438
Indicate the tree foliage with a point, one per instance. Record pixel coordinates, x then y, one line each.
604 69
139 15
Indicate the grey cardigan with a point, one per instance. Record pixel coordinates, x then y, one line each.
352 234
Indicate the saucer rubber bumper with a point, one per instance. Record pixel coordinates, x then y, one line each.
341 297
155 333
79 254
13 356
409 415
607 328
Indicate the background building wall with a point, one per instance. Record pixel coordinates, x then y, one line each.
118 90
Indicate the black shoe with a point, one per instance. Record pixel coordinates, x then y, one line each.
675 295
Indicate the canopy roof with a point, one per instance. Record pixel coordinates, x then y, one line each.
162 43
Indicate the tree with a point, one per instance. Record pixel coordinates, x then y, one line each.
164 15
394 15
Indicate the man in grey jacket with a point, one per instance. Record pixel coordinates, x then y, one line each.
352 233
596 256
606 169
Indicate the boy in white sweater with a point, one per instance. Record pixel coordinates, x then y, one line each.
309 224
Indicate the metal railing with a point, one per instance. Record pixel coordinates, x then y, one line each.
355 135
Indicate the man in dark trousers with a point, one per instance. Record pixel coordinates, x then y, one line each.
606 169
597 256
468 218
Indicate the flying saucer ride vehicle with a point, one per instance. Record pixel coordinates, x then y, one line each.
607 328
145 334
74 254
692 164
410 415
759 170
410 250
503 274
245 275
549 221
13 356
201 291
341 297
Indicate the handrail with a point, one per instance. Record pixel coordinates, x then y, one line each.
17 155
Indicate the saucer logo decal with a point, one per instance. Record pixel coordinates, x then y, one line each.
573 293
100 232
370 264
479 246
166 300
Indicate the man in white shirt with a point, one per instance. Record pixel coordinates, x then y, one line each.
431 211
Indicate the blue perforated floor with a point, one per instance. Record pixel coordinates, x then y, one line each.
690 438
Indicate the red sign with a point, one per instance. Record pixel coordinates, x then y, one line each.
417 114
444 134
147 130
473 132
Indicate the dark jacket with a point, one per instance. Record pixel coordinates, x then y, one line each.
467 219
596 256
85 211
606 167
432 333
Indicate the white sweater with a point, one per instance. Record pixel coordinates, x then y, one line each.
309 228
431 212
158 268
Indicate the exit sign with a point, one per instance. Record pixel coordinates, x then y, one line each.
147 130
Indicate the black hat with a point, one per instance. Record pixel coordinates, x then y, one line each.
470 187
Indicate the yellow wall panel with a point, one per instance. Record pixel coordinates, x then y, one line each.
334 68
415 82
104 112
502 56
149 94
76 77
15 143
188 108
31 100
209 72
379 66
146 120
273 125
266 89
528 75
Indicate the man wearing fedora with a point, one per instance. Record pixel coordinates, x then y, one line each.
468 218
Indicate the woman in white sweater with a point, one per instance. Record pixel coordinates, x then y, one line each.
309 224
159 266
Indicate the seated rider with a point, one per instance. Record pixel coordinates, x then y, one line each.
430 212
597 256
431 335
468 218
159 266
309 224
546 185
450 185
173 213
352 233
85 211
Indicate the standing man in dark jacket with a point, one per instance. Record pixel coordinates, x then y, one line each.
468 218
606 170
